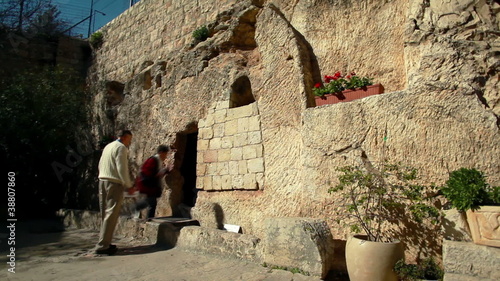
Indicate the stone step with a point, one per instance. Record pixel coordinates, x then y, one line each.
468 261
165 231
161 230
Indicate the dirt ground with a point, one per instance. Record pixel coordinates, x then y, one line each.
45 252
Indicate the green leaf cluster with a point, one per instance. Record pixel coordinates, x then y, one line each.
467 189
428 269
357 82
337 84
372 197
41 113
293 270
96 39
201 33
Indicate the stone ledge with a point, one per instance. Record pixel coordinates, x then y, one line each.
163 231
468 261
458 277
220 242
304 243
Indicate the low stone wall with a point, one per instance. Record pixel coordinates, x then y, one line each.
466 261
299 242
462 259
220 242
126 227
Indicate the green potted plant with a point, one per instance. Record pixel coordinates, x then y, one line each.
370 199
467 190
427 269
343 88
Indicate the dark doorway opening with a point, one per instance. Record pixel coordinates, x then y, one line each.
188 170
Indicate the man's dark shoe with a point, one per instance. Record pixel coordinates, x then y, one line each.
109 251
111 246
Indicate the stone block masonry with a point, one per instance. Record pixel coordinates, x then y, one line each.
230 150
152 29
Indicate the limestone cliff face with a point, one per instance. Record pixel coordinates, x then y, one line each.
244 95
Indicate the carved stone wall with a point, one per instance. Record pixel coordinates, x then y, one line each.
437 62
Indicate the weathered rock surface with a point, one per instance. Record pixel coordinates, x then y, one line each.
455 227
438 62
468 261
301 243
220 242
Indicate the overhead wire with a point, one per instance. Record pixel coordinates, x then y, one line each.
76 12
109 4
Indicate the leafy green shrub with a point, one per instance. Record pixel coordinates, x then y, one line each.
467 189
293 270
427 269
43 113
408 272
96 39
201 33
431 269
372 197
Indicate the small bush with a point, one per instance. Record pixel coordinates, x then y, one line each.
96 39
427 269
467 189
201 33
373 197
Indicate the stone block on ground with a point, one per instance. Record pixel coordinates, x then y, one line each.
165 231
455 226
162 231
220 242
302 243
468 261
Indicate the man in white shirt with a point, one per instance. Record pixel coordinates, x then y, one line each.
114 179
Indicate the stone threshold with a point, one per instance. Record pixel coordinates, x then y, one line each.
171 232
163 231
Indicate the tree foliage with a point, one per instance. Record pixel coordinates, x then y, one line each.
40 115
33 17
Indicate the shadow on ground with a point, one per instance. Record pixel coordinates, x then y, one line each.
20 233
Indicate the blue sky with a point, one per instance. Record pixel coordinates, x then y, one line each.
74 11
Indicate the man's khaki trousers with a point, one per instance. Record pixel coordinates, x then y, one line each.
110 199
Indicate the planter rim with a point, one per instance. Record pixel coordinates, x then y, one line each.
488 208
365 238
350 90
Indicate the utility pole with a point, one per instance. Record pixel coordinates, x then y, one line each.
131 3
90 16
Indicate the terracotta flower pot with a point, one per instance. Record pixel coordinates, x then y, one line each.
350 95
372 261
484 225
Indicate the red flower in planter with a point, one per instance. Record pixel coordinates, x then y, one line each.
337 83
